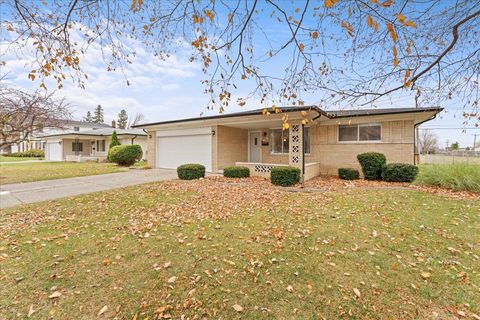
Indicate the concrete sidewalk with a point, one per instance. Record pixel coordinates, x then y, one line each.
30 192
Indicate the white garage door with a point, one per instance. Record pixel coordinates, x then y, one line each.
54 151
175 150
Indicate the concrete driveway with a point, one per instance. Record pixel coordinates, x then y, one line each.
30 192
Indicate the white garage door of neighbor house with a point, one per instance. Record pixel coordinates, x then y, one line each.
54 151
176 150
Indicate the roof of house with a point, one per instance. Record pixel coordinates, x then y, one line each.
98 132
84 123
327 113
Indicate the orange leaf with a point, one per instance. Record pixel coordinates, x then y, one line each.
330 3
209 14
406 81
388 3
348 27
395 59
369 21
392 32
314 34
301 46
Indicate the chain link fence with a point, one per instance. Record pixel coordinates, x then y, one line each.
458 156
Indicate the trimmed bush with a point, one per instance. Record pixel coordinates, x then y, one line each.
399 172
113 142
285 176
236 172
348 173
32 153
125 155
191 171
372 164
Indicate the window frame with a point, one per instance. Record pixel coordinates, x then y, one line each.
271 142
97 145
358 125
74 143
288 151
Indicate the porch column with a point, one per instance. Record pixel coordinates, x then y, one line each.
295 154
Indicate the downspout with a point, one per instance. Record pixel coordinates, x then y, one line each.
415 137
134 138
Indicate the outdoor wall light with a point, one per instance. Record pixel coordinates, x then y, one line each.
213 132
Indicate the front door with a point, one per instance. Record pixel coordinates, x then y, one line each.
255 147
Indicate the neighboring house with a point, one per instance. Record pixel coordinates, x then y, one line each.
35 139
86 145
331 140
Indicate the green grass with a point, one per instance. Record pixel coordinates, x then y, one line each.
12 159
459 176
232 245
28 172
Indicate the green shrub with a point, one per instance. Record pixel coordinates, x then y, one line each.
32 153
125 155
236 172
458 176
348 173
285 176
191 171
399 172
113 143
372 164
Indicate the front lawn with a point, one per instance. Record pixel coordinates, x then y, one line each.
28 172
456 176
209 249
15 159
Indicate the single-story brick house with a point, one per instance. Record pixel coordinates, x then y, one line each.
332 139
89 145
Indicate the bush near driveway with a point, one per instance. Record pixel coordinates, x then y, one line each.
191 171
125 155
372 164
399 172
285 176
236 172
348 173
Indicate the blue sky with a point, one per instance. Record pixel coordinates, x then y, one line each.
171 89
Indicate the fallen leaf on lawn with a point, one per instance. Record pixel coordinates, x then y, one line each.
461 313
290 288
357 292
31 311
238 307
102 311
425 275
167 264
55 294
172 279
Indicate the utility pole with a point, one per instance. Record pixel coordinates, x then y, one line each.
475 140
446 147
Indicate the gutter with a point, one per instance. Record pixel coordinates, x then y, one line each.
414 135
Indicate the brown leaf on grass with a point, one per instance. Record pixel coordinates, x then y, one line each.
357 292
238 307
172 279
30 311
425 275
102 311
55 294
290 288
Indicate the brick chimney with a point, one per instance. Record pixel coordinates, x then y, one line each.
114 125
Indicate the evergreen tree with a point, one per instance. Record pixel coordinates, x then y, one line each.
88 117
114 142
122 119
98 116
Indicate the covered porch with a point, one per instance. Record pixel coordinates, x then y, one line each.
261 143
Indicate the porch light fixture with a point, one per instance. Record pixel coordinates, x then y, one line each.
213 132
265 139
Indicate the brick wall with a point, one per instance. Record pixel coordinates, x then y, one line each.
230 145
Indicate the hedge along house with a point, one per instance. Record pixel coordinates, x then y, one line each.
329 141
89 145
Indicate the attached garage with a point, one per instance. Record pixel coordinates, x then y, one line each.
177 147
54 151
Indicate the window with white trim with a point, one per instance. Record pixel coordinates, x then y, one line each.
360 132
279 141
77 146
100 145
